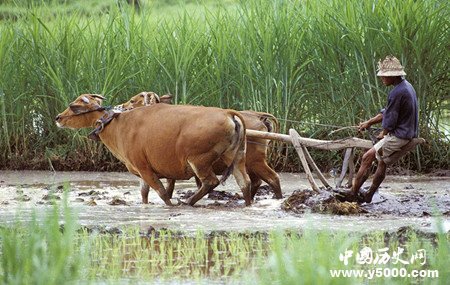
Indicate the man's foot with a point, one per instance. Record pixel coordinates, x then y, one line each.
345 195
348 196
365 196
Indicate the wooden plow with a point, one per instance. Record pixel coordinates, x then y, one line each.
300 144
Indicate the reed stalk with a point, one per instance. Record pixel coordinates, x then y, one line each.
311 63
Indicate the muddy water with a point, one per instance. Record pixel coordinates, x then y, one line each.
113 200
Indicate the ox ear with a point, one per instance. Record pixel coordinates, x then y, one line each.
166 99
77 109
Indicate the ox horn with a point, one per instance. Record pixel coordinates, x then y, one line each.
98 96
157 98
151 98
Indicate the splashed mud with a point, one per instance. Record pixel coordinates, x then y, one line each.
319 202
113 200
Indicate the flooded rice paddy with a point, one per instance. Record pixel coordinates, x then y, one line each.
113 201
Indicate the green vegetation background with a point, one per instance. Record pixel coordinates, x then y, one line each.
311 63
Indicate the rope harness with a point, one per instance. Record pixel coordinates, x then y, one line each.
77 113
102 123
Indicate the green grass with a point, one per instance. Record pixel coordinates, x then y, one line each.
307 62
309 259
174 256
42 251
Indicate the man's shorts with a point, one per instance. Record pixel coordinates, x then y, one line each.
388 145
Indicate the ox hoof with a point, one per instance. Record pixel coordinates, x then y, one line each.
276 196
168 202
181 203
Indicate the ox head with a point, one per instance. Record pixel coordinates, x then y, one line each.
82 112
145 99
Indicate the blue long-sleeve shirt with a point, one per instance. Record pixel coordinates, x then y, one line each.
401 115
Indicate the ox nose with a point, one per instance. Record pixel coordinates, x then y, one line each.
57 117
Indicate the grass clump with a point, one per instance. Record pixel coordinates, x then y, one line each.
41 251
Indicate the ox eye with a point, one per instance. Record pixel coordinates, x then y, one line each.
131 101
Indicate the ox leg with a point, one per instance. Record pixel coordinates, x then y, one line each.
153 181
255 183
209 181
198 182
270 177
242 179
145 189
170 187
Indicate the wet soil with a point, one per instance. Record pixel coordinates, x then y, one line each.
322 201
112 200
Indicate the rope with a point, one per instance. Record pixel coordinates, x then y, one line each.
305 123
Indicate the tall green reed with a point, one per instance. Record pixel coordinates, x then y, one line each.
310 63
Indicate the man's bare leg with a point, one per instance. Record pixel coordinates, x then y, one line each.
364 170
378 177
360 178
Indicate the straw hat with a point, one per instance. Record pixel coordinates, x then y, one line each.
390 66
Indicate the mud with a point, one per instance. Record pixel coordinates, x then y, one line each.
408 203
323 201
112 200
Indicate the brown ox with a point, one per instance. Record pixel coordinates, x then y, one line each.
256 163
166 141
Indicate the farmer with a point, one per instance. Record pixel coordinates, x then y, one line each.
400 124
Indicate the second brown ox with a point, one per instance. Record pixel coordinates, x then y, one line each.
165 141
256 163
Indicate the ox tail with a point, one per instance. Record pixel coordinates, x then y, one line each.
238 144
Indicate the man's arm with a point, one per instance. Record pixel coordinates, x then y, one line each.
375 120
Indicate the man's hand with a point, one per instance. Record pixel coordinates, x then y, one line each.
366 124
382 134
363 126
